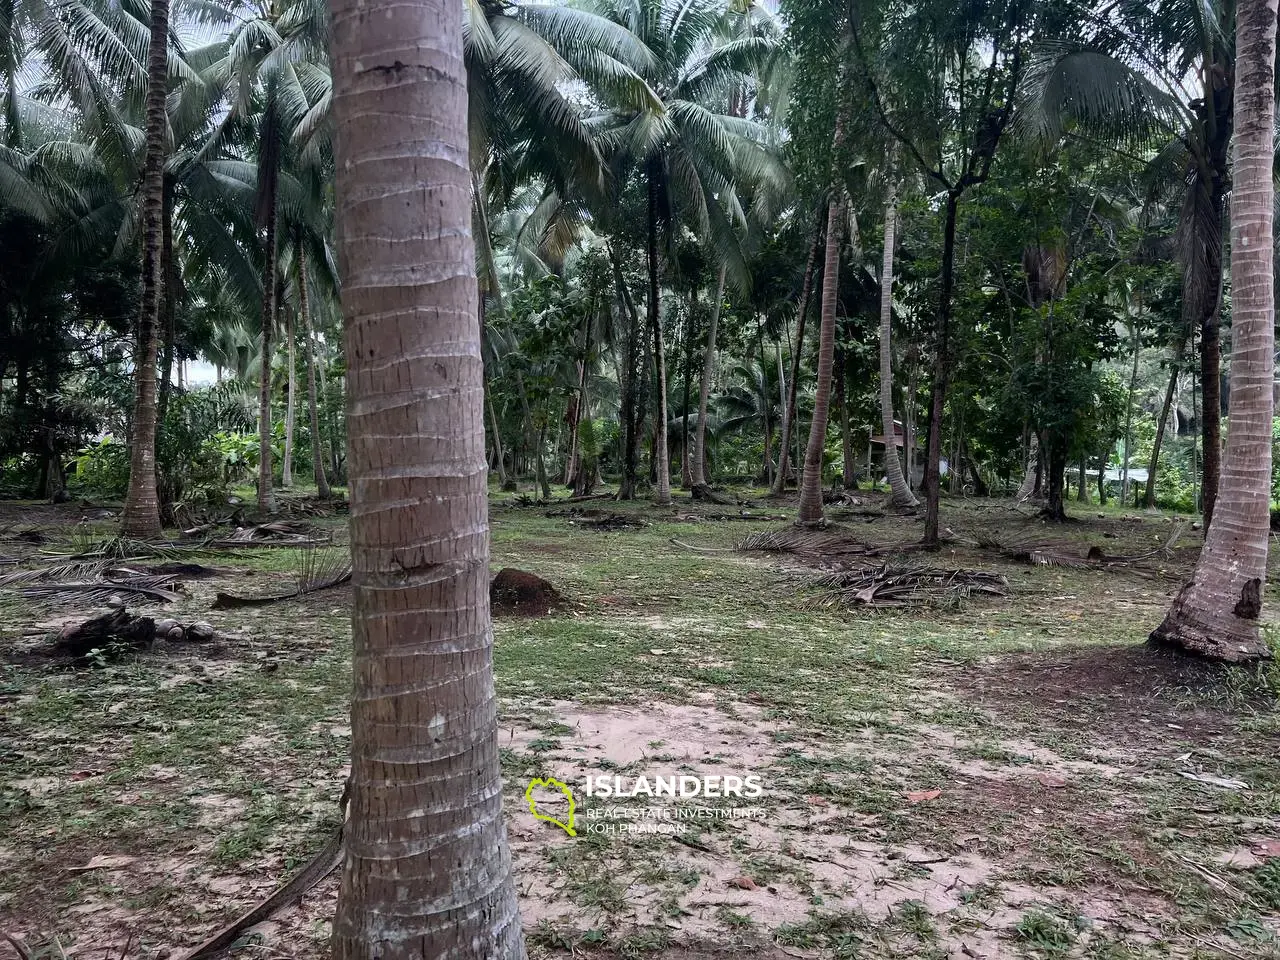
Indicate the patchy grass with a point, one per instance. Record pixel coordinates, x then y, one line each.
1007 778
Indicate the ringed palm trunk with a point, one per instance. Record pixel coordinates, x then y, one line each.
811 513
266 493
313 409
900 494
662 464
427 871
1217 614
698 466
142 505
286 477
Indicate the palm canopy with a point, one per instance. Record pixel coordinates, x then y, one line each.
702 157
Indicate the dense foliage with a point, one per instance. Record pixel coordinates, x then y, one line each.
641 170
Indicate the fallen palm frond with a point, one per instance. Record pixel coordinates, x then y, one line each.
887 586
62 570
315 870
595 519
719 517
97 592
1046 553
277 533
319 569
86 548
814 546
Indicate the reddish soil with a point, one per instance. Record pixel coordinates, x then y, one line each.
516 593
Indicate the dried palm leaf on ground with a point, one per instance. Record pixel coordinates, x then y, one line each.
832 545
277 533
1058 553
320 569
596 519
62 570
97 592
888 586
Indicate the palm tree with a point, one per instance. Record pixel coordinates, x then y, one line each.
690 159
426 793
142 505
900 494
698 463
273 70
1216 614
811 513
1129 79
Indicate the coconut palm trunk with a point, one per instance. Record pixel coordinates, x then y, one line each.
811 513
698 467
142 504
900 494
286 474
313 407
1216 615
266 493
662 464
1162 422
427 871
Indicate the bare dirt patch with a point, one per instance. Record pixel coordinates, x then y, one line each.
1112 693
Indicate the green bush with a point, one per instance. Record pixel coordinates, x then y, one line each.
101 470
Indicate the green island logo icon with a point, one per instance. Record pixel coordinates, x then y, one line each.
551 784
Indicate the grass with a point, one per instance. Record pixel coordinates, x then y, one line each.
213 767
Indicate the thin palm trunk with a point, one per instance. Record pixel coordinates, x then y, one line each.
941 376
1149 495
167 313
849 472
686 449
427 871
1128 425
286 476
1203 274
811 513
498 456
789 425
662 464
698 468
329 418
313 408
900 494
632 407
142 505
1217 613
266 493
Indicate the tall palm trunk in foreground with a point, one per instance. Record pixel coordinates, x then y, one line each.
698 466
317 459
811 482
142 505
900 494
427 871
1216 614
